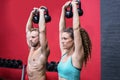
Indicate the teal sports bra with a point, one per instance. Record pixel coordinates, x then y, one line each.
67 71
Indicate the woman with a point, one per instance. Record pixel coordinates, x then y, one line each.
75 46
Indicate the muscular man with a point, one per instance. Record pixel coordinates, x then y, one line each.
39 50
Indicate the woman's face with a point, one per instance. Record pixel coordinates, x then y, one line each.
67 41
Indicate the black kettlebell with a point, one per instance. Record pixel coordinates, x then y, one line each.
35 18
2 62
50 66
8 63
19 63
80 11
46 14
68 12
15 64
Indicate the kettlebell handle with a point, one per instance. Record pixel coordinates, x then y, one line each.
46 10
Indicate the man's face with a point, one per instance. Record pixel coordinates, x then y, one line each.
34 38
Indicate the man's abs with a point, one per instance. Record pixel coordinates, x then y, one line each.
36 73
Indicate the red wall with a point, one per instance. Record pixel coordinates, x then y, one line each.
13 18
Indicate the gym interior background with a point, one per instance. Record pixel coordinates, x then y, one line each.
14 15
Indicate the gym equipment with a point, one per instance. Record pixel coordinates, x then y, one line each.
52 66
35 18
69 13
23 72
46 15
80 11
10 63
2 62
13 63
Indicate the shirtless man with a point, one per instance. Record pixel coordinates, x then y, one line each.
39 50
